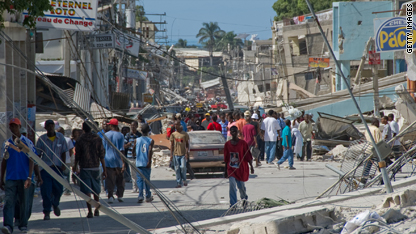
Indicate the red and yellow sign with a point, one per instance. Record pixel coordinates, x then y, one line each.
319 62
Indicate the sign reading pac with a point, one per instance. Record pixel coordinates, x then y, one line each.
391 34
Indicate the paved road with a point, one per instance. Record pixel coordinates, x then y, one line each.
204 198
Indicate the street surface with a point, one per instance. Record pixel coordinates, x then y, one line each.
204 198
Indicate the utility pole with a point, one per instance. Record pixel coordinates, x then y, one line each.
262 78
381 163
181 75
374 69
226 89
67 55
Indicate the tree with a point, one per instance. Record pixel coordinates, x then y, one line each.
229 38
140 14
181 43
35 8
292 8
208 35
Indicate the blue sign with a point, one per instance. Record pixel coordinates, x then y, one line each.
391 34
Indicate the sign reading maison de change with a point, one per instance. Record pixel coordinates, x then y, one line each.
390 34
69 15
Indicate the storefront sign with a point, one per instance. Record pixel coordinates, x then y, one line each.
134 74
69 15
98 41
147 97
390 34
127 43
318 62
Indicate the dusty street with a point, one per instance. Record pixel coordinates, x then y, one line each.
205 197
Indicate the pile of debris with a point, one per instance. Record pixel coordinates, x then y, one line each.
160 158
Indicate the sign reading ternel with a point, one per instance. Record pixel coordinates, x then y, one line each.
69 15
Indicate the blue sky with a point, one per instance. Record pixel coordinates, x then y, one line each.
185 17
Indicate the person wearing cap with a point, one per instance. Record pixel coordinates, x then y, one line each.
143 151
179 153
113 162
52 147
249 133
206 121
260 142
179 117
15 179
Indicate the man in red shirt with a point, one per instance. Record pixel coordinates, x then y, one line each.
214 125
237 157
249 134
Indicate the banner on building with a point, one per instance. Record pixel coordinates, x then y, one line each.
98 41
69 15
319 62
134 74
390 34
127 43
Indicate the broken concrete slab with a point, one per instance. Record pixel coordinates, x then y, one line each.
293 221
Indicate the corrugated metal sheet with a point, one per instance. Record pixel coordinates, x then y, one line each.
82 97
99 112
120 101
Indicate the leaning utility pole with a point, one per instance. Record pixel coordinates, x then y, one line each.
226 89
381 163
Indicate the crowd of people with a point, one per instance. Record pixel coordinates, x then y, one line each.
263 137
94 158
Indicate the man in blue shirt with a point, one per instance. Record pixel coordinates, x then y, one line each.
143 150
287 146
52 147
113 162
224 124
18 178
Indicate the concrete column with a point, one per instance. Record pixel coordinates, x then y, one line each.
345 67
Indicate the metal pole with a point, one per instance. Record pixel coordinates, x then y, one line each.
118 217
226 89
382 166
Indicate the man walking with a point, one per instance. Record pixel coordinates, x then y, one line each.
214 126
143 151
287 146
387 133
237 157
89 153
15 179
130 138
179 153
224 124
69 153
271 130
114 162
53 147
395 130
206 121
249 134
305 127
183 124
